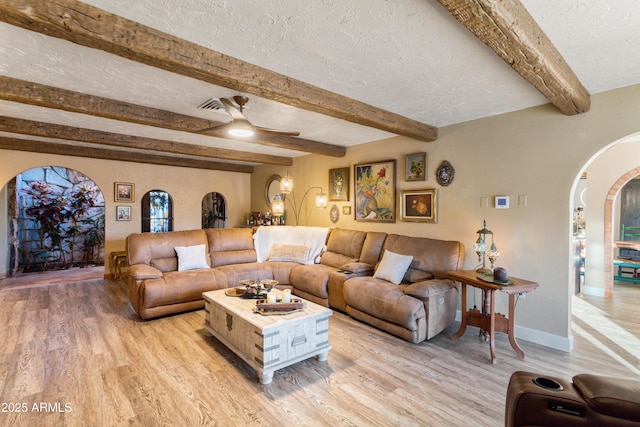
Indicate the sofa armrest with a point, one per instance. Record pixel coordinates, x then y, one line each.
359 268
143 272
428 288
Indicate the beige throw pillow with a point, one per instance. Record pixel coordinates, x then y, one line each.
289 253
392 267
191 257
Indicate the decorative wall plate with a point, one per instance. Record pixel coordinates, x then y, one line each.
334 214
445 173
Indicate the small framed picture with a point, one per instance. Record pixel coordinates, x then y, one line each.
415 167
419 205
339 184
123 213
123 192
346 210
502 202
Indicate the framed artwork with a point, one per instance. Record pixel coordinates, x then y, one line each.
419 205
123 192
123 213
375 191
415 167
339 184
346 210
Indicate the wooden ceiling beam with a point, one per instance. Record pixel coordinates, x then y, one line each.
25 92
123 156
49 130
507 27
98 29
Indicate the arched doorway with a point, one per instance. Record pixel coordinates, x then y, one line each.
214 210
56 220
607 171
608 230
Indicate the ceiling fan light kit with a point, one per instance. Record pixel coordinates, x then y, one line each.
239 126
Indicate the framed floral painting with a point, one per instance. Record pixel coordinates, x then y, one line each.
375 191
339 184
123 192
419 205
415 167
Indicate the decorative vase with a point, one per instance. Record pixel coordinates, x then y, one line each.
365 205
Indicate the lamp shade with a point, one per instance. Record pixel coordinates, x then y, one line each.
286 184
277 206
321 200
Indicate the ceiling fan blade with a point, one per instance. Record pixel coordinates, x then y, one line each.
277 131
233 111
218 127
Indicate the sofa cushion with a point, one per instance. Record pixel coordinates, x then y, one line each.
165 264
414 275
428 288
289 253
343 247
234 273
176 287
360 268
393 267
191 257
384 300
143 272
312 279
142 248
372 247
230 246
430 255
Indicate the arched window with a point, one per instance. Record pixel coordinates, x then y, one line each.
214 211
157 212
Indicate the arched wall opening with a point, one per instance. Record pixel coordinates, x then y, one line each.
55 220
607 171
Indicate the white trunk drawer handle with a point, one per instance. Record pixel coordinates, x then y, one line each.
298 340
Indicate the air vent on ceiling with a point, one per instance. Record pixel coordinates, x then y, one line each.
212 104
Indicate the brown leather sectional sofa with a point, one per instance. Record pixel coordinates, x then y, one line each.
416 309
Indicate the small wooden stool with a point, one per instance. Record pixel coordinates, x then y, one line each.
118 260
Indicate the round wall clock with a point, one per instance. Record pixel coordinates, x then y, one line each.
445 173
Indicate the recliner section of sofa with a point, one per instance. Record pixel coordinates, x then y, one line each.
418 309
424 303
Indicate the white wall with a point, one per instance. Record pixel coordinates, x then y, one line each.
536 152
187 188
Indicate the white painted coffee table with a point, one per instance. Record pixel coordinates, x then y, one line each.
267 343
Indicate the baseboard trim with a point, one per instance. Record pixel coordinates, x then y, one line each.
535 336
590 290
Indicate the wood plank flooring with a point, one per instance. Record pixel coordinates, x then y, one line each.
80 355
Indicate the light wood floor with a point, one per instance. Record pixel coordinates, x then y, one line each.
79 349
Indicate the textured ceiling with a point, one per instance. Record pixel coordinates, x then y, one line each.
409 57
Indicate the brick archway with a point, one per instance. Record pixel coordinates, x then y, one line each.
608 229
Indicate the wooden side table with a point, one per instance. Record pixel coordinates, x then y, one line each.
118 260
487 320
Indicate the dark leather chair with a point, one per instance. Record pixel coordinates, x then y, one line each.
587 400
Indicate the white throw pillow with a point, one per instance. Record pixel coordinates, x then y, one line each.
191 257
290 253
393 267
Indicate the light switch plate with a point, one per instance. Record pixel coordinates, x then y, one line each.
522 200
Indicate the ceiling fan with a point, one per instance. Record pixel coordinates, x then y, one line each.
239 125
